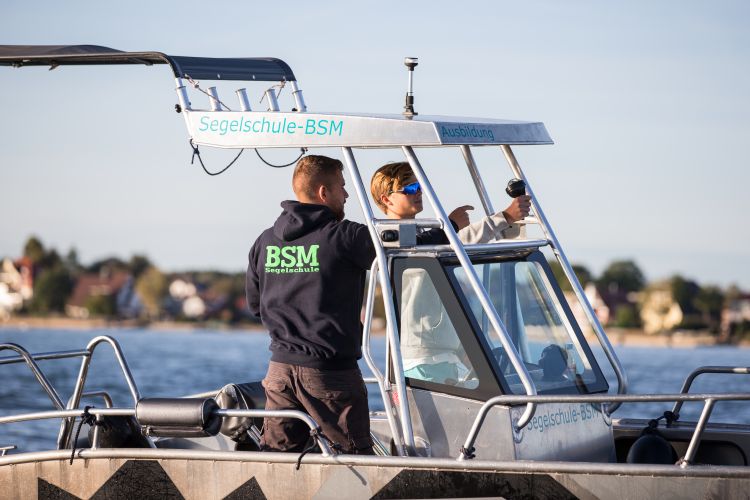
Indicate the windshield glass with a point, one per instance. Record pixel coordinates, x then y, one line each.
537 325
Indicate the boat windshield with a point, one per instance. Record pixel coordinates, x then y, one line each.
541 330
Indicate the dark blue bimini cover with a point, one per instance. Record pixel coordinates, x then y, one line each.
266 69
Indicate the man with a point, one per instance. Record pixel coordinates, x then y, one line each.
305 279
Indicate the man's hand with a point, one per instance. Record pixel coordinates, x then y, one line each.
460 217
518 209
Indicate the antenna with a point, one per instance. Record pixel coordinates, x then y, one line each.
410 63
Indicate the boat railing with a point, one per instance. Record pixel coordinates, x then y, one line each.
66 427
727 370
709 400
509 245
90 394
25 356
383 385
86 354
72 414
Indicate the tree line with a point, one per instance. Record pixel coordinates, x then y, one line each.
702 305
55 277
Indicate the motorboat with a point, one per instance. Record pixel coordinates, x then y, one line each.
528 413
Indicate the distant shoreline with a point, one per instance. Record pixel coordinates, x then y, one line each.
681 338
617 336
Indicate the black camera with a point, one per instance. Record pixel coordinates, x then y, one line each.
516 188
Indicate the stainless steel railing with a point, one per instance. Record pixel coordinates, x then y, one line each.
379 379
66 428
729 370
5 449
86 354
26 357
709 400
72 414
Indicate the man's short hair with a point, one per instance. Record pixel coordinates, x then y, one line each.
389 178
314 171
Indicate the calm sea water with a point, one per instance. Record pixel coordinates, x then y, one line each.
180 363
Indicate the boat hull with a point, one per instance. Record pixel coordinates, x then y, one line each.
227 475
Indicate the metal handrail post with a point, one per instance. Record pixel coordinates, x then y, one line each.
601 399
51 392
299 415
692 449
738 370
121 360
481 292
102 394
385 286
484 197
622 381
75 400
41 356
298 99
379 379
65 414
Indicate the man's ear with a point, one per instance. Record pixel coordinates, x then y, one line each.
322 193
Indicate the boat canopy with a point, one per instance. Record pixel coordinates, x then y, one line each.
223 127
230 129
264 69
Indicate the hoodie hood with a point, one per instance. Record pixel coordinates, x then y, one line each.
299 219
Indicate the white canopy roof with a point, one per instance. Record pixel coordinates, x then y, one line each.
249 129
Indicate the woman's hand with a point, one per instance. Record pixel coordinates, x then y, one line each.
460 216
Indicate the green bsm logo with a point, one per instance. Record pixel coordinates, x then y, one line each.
292 259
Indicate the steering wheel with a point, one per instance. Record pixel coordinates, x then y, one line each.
503 360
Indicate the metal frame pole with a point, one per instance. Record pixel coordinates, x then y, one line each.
734 370
622 382
484 197
384 390
182 94
51 392
385 286
471 273
298 99
75 399
43 356
708 399
692 449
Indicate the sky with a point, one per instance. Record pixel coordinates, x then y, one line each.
647 102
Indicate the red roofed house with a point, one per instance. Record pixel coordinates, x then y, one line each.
117 287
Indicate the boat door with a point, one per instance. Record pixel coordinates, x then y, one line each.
453 360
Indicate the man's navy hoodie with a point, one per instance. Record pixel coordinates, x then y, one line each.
305 280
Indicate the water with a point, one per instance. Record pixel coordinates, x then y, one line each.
180 363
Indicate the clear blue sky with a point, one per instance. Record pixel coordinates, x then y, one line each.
648 104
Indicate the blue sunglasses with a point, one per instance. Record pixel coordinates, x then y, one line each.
412 188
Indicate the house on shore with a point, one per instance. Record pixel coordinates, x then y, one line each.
16 284
735 317
110 294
